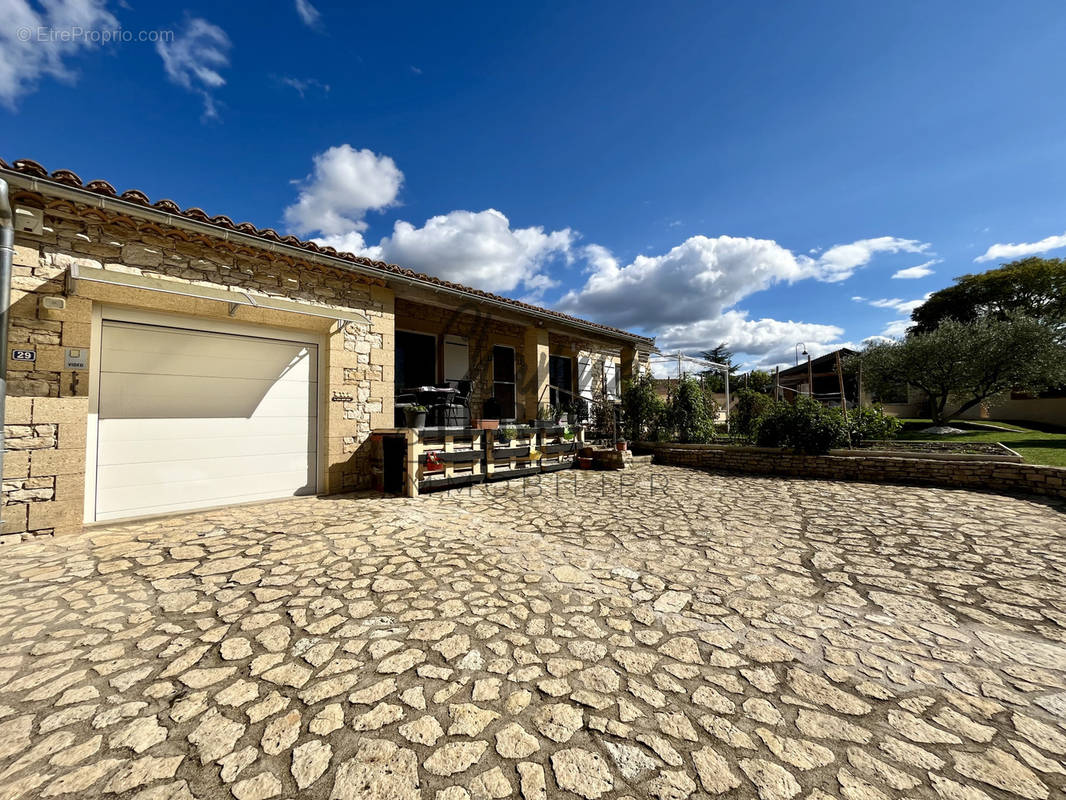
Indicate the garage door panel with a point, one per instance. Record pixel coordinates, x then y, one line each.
190 495
190 419
147 449
146 396
165 351
152 432
176 472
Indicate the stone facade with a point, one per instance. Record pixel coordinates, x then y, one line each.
993 476
47 405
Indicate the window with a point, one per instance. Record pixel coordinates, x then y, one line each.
585 378
610 376
416 360
503 380
561 380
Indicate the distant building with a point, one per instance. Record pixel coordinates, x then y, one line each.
794 380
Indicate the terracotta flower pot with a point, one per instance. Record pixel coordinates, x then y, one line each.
621 446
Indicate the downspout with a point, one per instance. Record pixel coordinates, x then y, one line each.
7 253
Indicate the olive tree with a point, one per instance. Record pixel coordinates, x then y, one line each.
961 364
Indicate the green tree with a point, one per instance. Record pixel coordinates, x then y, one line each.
804 425
641 407
1035 287
750 406
690 415
961 364
757 380
715 378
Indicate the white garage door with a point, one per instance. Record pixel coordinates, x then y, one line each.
190 419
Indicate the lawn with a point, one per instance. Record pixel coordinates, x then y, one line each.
1036 443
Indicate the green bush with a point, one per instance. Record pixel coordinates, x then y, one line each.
690 413
642 408
871 423
805 426
751 404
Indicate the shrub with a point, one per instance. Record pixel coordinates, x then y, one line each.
805 426
871 423
642 408
690 413
751 404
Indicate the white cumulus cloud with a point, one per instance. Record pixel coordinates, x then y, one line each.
696 280
194 60
36 42
840 261
918 271
762 341
1008 252
477 248
344 185
702 277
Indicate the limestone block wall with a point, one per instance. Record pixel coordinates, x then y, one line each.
47 404
983 475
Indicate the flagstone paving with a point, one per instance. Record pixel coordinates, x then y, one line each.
698 636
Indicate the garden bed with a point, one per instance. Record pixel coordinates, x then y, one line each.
898 447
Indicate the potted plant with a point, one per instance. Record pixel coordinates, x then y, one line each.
568 435
507 434
485 424
415 416
433 462
546 416
621 445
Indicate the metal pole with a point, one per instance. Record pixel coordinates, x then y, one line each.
7 253
810 378
727 401
843 397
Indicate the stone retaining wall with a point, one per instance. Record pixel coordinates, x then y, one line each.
994 476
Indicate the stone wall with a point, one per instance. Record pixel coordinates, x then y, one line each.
986 475
47 404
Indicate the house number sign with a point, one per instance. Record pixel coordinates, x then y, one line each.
23 355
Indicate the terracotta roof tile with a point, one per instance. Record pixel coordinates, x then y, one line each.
65 177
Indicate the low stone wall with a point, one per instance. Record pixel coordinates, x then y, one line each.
997 476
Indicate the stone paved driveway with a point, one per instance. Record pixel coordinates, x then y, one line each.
712 636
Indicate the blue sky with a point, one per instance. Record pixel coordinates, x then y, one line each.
703 172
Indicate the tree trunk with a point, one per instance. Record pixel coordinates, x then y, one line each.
966 406
936 411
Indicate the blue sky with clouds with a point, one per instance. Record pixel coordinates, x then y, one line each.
755 173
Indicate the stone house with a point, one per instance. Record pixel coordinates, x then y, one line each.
161 359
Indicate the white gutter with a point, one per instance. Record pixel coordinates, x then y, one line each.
7 253
118 205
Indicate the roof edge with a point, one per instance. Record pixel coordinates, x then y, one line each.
31 176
